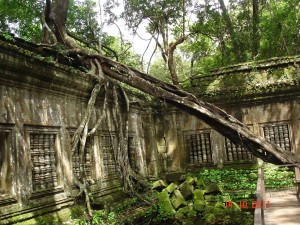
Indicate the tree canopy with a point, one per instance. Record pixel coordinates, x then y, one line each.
208 34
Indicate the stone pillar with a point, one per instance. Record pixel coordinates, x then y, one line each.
152 156
137 129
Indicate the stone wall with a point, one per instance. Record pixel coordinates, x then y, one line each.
41 105
264 95
42 102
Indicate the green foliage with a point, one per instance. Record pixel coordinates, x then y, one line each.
279 178
277 32
82 20
160 70
280 28
25 21
7 36
230 179
126 204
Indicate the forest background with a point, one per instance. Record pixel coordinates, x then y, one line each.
183 38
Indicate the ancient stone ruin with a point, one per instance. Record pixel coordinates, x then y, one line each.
42 103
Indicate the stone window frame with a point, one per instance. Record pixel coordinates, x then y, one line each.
235 146
57 145
10 197
71 132
210 150
106 174
279 123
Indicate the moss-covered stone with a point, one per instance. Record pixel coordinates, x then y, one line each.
178 200
186 212
199 194
190 180
200 184
213 189
165 204
171 187
235 207
187 190
199 205
159 185
220 205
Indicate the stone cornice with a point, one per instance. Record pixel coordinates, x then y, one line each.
276 79
20 67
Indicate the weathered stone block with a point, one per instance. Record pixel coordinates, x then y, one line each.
213 189
186 189
171 187
200 183
190 180
178 200
199 194
199 205
186 212
235 207
220 205
159 185
165 204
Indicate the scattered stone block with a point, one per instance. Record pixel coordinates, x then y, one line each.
186 189
213 189
199 194
165 204
171 187
235 207
190 180
178 200
159 185
200 184
185 212
199 205
220 205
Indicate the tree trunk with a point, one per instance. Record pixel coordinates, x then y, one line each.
237 48
210 114
171 65
255 31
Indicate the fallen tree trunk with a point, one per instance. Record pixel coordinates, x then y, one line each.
218 119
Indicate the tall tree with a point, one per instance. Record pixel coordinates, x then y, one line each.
236 44
255 31
165 21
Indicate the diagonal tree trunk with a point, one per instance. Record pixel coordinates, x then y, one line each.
210 114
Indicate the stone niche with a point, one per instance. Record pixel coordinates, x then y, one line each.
42 103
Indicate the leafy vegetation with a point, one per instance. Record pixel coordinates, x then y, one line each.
281 177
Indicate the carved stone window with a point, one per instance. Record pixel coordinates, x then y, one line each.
5 164
236 152
198 146
43 156
87 160
278 134
108 156
132 153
